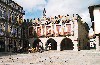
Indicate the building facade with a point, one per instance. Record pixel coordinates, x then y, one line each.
11 18
62 32
94 15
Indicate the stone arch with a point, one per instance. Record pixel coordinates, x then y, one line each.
66 44
53 43
36 42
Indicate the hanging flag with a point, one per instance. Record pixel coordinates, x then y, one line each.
58 27
48 30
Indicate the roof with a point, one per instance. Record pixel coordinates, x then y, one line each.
94 6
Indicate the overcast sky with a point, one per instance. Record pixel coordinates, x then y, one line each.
34 8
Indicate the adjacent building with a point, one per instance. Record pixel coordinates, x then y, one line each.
94 15
11 18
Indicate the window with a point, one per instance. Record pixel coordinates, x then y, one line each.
0 12
4 14
13 17
16 7
8 1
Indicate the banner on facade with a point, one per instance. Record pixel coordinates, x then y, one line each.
58 30
67 29
48 30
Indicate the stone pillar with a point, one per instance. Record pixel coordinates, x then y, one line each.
58 47
6 39
97 43
6 44
58 44
75 45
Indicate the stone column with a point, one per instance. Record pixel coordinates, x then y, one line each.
6 39
6 30
58 47
75 45
6 44
97 43
58 40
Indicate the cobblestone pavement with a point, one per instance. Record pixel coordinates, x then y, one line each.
67 57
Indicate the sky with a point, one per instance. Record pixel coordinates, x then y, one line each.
34 8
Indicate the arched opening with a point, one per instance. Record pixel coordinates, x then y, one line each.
52 44
36 42
37 45
66 44
25 45
2 46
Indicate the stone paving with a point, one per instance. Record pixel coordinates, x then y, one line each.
67 57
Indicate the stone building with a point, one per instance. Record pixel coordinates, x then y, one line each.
11 18
61 32
94 15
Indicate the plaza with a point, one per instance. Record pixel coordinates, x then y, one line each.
84 57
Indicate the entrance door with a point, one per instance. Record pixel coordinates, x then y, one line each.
36 43
52 43
2 46
66 44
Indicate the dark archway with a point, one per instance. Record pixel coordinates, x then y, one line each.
66 44
36 42
53 44
2 46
